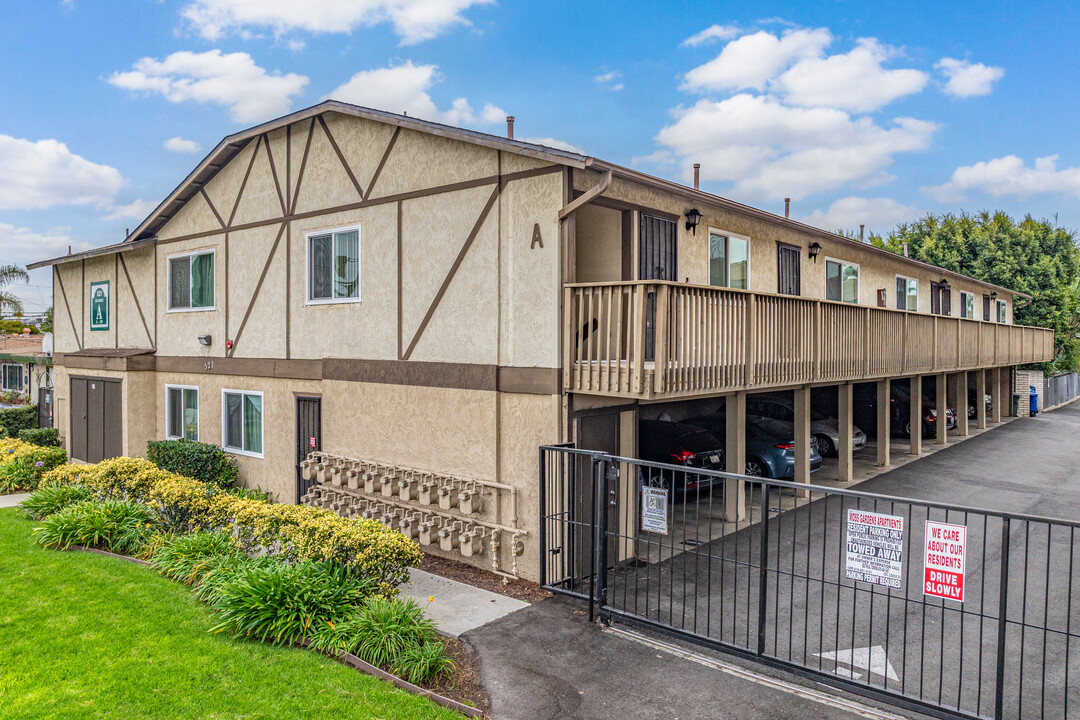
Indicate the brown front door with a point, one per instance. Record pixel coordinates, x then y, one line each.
96 419
790 270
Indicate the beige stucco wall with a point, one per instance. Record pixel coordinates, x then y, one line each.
599 250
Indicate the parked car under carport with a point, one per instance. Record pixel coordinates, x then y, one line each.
824 429
770 444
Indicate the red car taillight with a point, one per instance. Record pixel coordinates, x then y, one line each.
786 446
684 455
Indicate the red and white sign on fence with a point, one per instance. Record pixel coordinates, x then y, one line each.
946 549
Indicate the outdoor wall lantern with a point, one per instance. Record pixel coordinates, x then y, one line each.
693 217
993 296
945 284
205 339
815 250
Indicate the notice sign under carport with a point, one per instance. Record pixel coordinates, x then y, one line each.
654 510
875 548
946 548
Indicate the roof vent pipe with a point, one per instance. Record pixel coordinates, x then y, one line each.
697 175
510 127
787 207
862 232
905 250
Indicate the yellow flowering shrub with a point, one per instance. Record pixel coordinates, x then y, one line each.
292 532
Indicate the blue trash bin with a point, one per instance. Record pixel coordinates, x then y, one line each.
1033 399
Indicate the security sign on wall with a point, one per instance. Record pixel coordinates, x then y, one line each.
99 305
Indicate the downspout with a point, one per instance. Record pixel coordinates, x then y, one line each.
587 197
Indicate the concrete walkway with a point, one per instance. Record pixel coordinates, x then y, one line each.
456 607
12 500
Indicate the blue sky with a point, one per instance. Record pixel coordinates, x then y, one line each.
861 112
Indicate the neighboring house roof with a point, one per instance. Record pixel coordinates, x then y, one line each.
23 348
231 146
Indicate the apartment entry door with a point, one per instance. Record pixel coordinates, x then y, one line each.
790 270
657 260
96 415
308 437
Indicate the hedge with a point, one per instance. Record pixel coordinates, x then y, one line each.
14 420
44 437
22 464
201 461
294 533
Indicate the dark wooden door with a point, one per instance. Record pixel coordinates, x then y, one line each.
986 308
790 270
657 260
601 433
935 298
77 407
308 437
112 421
95 420
97 431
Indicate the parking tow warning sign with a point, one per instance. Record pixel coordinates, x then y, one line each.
654 510
943 567
875 548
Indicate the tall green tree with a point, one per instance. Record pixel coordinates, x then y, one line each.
1037 257
8 300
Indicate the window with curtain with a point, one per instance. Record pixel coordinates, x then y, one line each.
729 261
907 293
181 412
1001 311
334 266
841 281
967 305
191 281
242 422
12 378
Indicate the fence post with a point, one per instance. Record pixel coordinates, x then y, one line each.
602 501
543 518
763 579
1003 607
594 463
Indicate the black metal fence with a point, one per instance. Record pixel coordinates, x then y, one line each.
1060 388
829 583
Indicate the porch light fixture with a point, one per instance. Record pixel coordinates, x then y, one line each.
815 250
945 284
693 217
205 339
993 296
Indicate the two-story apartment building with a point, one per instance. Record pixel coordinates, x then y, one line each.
428 305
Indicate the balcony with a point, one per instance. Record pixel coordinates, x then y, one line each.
654 340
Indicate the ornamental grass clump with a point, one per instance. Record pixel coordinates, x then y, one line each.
423 664
52 498
119 526
188 558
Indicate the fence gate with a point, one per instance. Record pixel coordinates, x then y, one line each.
947 610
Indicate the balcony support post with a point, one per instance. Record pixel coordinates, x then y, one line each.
883 416
915 417
802 437
941 404
962 404
735 456
995 395
845 426
980 398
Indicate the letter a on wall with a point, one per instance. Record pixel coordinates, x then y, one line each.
99 305
536 238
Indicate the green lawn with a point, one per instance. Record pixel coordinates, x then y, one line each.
88 636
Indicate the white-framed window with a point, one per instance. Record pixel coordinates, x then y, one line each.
242 422
1002 312
841 281
181 412
967 305
907 293
191 281
12 377
729 260
333 266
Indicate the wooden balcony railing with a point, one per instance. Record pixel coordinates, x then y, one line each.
661 339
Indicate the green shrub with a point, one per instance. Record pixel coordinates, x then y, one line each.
255 493
120 526
281 603
422 664
386 628
45 437
202 461
188 558
16 419
52 498
26 468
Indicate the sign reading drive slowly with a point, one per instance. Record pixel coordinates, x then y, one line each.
875 548
946 548
654 510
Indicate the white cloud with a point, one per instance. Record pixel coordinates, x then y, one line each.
413 20
964 79
404 88
878 214
136 209
23 245
37 175
753 60
610 81
1008 176
553 143
232 81
770 150
180 145
711 34
850 81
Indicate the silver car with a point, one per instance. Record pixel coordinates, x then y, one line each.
824 429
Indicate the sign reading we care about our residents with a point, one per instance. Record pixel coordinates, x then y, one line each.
875 548
99 305
946 548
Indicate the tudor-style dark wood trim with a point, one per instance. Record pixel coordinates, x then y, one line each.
399 280
221 221
116 289
226 298
340 156
530 381
288 168
614 204
288 290
382 161
258 287
244 182
303 166
273 171
71 318
135 297
293 369
458 376
82 295
453 271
